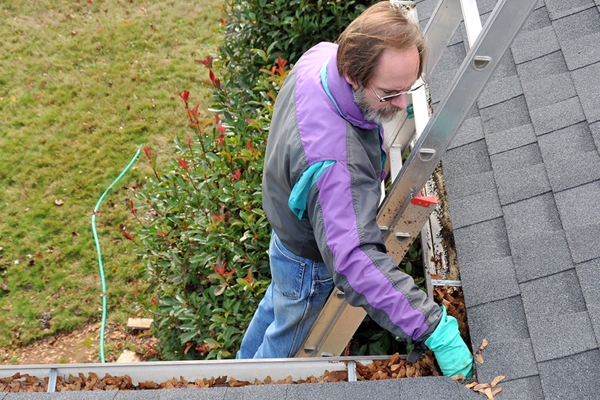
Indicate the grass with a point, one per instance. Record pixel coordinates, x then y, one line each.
82 85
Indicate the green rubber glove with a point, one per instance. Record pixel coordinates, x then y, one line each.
450 350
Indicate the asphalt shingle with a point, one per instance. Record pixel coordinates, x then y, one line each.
499 90
520 174
522 184
439 82
578 35
537 214
435 388
534 44
556 116
471 159
569 203
589 278
558 9
509 139
542 67
425 8
570 156
476 208
539 253
538 94
489 280
200 394
481 241
498 321
561 335
584 242
138 395
553 295
339 391
588 87
506 115
499 359
595 128
469 185
470 131
529 388
452 58
582 372
538 19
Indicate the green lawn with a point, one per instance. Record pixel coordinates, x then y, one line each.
82 85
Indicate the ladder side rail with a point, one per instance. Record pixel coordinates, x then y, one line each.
439 30
498 33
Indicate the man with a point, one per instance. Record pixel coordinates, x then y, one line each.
321 188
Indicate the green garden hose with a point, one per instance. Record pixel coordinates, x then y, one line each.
103 294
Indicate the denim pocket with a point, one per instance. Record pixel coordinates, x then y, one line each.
287 270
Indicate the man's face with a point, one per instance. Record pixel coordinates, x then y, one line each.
396 71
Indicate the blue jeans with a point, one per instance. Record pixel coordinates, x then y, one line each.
299 289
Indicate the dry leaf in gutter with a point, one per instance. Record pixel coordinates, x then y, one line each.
497 380
495 392
457 377
483 344
488 393
479 357
471 385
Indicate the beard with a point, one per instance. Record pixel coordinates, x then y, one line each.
380 116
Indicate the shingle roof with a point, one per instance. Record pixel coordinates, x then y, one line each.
531 266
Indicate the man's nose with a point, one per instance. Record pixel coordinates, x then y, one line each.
400 102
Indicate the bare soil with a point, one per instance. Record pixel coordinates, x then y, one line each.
81 346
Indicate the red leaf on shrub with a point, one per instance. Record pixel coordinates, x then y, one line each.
220 140
182 163
211 75
154 301
131 203
185 95
249 146
228 274
218 83
238 175
202 349
207 61
128 236
221 128
148 154
223 21
217 119
190 143
217 217
188 346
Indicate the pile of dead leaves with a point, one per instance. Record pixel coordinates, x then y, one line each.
489 389
396 368
23 384
452 298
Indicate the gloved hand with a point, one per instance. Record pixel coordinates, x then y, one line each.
450 350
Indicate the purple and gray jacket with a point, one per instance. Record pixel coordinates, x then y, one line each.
321 188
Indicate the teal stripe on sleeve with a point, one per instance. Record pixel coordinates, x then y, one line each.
299 195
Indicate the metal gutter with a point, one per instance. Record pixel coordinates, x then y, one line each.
162 371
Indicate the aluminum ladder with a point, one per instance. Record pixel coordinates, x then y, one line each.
402 213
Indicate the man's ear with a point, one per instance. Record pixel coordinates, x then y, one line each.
348 79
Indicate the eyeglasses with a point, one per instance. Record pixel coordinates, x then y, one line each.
418 85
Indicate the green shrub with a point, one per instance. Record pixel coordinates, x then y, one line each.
204 235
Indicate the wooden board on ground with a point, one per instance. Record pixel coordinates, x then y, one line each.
139 323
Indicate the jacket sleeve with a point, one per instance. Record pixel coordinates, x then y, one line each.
342 208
